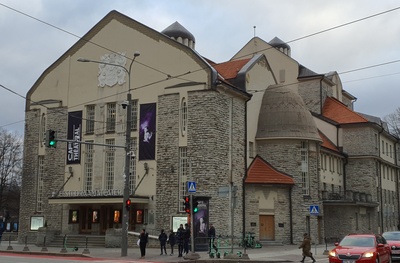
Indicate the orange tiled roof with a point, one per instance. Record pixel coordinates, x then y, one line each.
229 69
338 112
327 143
261 172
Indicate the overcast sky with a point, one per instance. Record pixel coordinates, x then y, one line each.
221 28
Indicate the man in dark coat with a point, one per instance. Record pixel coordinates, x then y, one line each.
211 236
143 242
180 235
306 246
163 241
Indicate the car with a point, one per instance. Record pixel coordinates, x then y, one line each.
361 248
393 239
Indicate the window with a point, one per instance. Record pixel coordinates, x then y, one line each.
305 179
183 175
88 176
134 114
109 164
73 216
139 216
39 194
117 216
111 117
383 147
95 216
281 75
387 151
90 119
390 151
132 177
183 116
42 130
251 149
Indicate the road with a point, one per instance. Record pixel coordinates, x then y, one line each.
17 258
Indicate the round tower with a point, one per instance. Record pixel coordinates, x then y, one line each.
177 32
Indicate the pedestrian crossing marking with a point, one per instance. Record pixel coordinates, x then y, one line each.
314 210
192 187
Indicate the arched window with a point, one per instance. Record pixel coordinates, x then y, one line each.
42 130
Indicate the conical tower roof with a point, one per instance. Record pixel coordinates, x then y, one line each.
177 30
283 115
278 43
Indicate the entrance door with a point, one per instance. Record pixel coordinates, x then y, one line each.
85 225
106 218
267 227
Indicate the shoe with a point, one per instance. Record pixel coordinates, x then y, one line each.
160 254
314 261
171 254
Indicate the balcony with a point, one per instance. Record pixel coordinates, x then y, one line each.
348 197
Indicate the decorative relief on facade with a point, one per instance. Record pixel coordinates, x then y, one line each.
112 74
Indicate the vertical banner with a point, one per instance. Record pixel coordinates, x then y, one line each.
147 129
74 133
201 225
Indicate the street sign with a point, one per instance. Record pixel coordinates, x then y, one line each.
314 210
191 186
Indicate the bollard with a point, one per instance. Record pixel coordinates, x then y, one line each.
9 244
44 248
86 250
26 248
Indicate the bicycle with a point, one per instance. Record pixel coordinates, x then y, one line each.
249 241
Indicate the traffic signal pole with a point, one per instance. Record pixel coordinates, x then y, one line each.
191 223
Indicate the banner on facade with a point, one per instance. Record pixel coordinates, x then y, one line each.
147 132
201 225
74 133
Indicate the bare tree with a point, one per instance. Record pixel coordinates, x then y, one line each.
11 146
393 121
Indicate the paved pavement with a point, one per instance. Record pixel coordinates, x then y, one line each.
268 253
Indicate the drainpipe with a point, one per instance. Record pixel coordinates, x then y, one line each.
378 171
320 96
245 175
291 215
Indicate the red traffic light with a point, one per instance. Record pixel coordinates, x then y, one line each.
128 204
187 204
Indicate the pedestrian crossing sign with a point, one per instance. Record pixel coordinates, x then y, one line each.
314 210
191 186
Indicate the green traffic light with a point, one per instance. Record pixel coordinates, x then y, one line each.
52 143
195 210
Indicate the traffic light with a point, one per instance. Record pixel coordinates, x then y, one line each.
195 207
128 204
51 139
187 204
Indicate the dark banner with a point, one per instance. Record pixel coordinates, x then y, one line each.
147 129
74 133
201 225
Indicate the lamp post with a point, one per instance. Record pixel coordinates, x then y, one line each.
125 212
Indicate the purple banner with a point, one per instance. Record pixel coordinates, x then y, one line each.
147 132
74 133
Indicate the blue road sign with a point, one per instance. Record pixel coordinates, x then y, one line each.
191 186
314 210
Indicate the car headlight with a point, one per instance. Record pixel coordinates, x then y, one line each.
332 253
368 255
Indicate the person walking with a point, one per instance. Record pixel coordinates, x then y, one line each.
144 238
211 236
186 239
306 246
171 241
163 240
180 235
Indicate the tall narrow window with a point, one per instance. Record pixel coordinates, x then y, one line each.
42 129
111 117
132 177
109 164
305 178
183 116
251 149
134 114
88 181
183 175
90 119
39 194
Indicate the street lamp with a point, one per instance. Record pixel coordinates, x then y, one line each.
125 212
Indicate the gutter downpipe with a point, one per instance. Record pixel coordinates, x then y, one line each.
245 175
380 179
291 215
320 96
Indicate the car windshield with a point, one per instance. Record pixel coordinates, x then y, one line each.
391 235
358 241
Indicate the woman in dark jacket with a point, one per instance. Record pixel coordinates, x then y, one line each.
171 240
163 240
143 242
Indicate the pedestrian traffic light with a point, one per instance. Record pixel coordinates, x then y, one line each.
187 204
128 204
195 207
51 139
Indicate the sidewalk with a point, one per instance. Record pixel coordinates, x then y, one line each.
272 253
